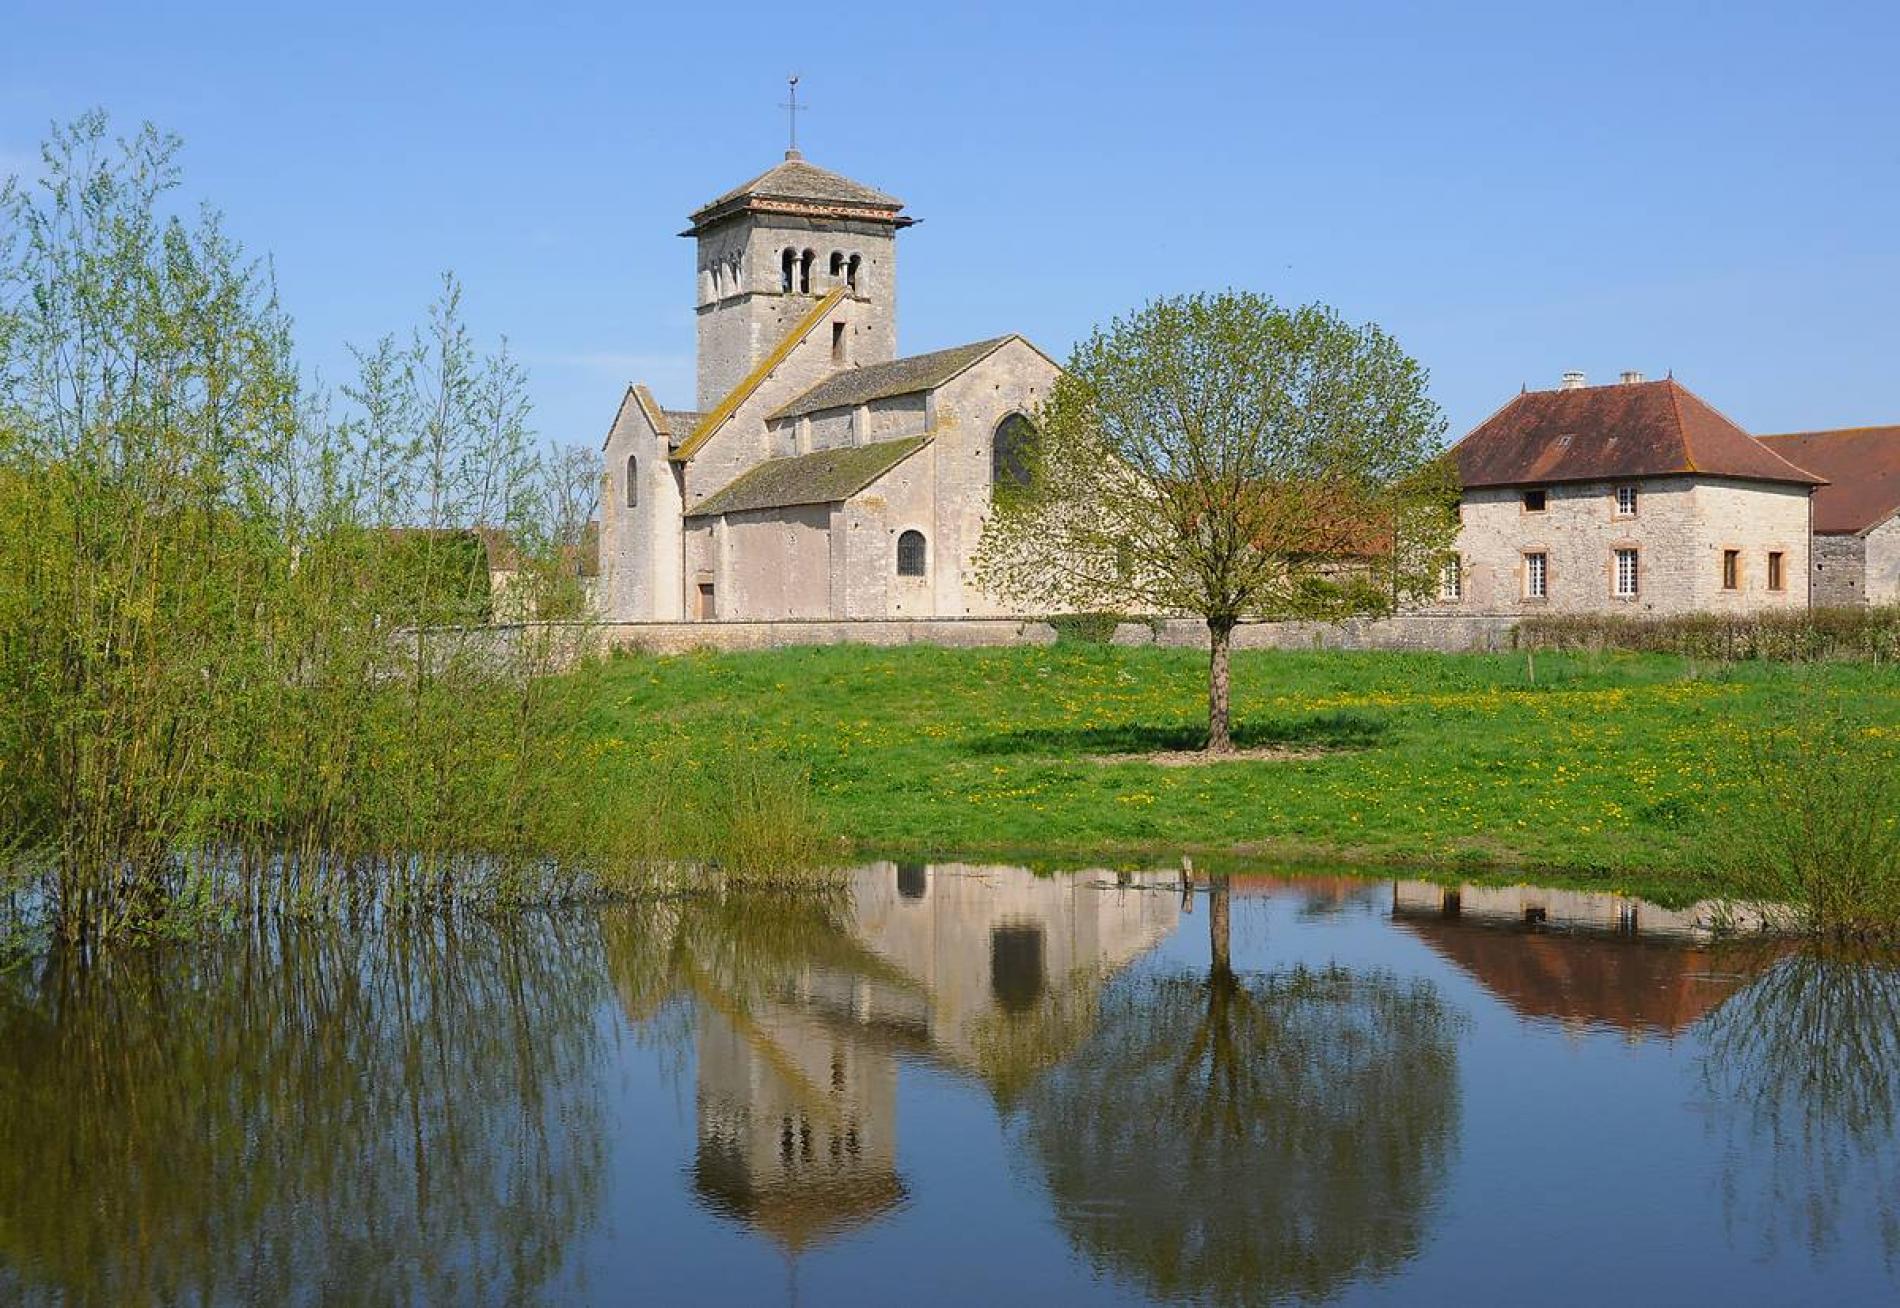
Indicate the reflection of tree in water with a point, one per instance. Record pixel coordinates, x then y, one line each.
1802 1074
385 1117
1246 1137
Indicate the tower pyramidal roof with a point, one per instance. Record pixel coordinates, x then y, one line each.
803 189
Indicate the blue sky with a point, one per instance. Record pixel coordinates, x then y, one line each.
1511 189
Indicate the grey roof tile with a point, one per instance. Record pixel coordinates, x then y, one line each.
877 381
798 182
822 477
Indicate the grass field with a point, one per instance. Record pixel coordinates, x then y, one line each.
1621 771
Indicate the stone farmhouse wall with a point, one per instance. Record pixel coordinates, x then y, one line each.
1840 570
1883 562
1680 529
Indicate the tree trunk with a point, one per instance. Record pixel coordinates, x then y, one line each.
1219 738
1219 929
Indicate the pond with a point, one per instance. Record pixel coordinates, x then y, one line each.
961 1084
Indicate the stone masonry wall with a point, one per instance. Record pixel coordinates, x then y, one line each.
639 544
1883 562
1753 519
1015 379
1679 530
1840 571
1443 634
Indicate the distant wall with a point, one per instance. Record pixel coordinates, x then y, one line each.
1840 571
1447 634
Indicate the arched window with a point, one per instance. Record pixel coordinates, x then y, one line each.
735 276
851 272
804 272
788 270
1012 453
837 266
633 482
910 554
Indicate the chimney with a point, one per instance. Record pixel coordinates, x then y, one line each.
1573 381
1631 377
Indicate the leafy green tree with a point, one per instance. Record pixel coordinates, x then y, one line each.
1222 456
242 653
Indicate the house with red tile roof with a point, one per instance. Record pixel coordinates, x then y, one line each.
1638 497
1856 515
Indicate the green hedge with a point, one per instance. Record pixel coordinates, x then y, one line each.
1871 634
1085 628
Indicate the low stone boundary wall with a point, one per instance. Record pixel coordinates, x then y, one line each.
1433 633
1452 635
956 633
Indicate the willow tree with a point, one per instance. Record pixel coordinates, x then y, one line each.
1223 457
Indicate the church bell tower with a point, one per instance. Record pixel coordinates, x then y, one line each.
771 249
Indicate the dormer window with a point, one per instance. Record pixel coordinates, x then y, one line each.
1535 501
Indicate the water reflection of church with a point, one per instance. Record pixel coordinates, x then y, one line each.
990 972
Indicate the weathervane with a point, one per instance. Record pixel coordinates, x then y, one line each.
791 107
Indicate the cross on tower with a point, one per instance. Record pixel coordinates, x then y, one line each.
791 107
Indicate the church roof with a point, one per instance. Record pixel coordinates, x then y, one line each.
797 187
1862 467
1596 433
679 423
822 477
878 381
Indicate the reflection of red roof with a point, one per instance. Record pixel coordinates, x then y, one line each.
1597 433
1628 983
1862 467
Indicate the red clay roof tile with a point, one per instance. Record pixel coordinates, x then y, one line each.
1862 467
1600 433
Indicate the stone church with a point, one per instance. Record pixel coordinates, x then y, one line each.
820 474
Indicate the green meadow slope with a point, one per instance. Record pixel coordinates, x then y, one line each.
1625 771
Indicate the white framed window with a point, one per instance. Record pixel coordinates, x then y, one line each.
1625 501
1536 576
1626 573
1451 582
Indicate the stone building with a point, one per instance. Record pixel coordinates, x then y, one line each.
820 474
1856 515
1636 497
